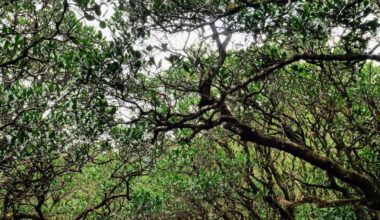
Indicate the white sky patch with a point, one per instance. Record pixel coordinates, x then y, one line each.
46 113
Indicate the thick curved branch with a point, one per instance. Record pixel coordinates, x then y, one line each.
364 183
320 203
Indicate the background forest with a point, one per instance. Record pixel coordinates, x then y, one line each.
268 109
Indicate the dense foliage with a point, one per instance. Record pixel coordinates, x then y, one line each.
266 110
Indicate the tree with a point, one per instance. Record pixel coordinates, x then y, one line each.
295 94
286 126
56 121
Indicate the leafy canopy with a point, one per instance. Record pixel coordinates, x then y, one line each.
114 120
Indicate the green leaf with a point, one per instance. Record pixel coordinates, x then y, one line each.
97 10
157 4
102 24
82 3
186 67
